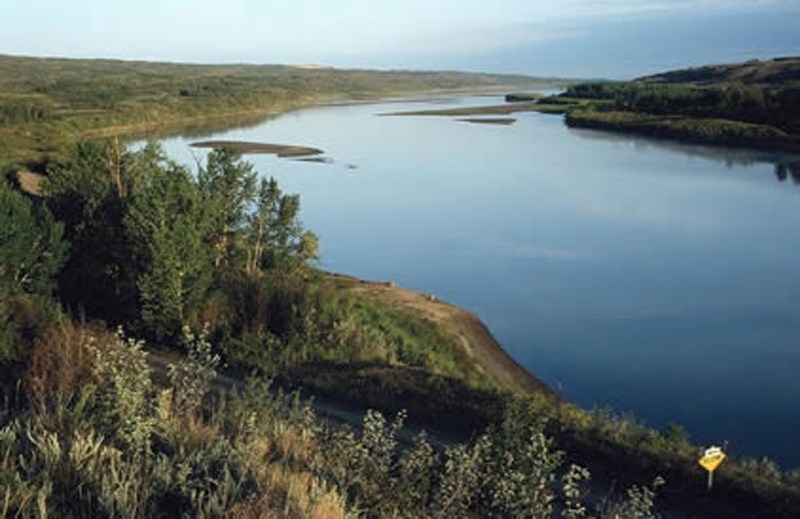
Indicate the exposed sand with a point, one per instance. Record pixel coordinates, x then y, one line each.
281 150
502 121
30 182
319 160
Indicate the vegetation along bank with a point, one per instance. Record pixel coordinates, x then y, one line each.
754 104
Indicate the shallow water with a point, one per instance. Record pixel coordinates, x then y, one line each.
653 277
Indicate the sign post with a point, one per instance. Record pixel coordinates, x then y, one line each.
711 459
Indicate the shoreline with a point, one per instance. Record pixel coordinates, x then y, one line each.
688 130
474 336
477 339
201 123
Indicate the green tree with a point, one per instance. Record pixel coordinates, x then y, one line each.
31 253
89 194
165 225
275 236
227 185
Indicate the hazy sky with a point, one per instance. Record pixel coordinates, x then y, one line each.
610 38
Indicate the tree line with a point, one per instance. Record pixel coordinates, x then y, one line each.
777 105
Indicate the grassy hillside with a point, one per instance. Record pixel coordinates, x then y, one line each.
755 72
46 103
754 104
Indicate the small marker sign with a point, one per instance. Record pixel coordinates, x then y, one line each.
711 459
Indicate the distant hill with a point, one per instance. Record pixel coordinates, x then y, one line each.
755 104
754 72
47 102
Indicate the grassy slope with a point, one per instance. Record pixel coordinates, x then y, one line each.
466 382
776 71
46 103
729 129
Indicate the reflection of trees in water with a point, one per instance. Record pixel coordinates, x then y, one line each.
785 165
204 129
783 170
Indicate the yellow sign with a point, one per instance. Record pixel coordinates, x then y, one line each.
712 458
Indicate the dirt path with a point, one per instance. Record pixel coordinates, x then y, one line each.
332 412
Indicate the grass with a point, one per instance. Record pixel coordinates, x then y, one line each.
100 438
417 342
84 383
689 129
432 401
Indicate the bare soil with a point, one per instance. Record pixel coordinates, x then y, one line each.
500 121
30 182
281 150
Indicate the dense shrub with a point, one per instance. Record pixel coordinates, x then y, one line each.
31 253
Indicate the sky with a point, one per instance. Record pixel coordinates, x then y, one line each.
566 38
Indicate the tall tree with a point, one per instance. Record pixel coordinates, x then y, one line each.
31 253
227 185
89 194
166 227
275 236
31 246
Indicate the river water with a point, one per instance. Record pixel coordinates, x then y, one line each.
652 277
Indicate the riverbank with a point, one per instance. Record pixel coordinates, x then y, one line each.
616 448
582 114
476 340
715 132
748 105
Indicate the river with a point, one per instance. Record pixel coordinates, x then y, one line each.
652 277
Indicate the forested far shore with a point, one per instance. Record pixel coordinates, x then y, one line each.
755 104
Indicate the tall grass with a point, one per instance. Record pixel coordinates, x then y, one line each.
104 440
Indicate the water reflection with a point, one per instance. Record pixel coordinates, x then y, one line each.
199 130
786 169
785 164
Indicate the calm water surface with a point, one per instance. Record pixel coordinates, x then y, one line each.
656 278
